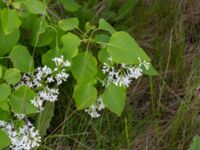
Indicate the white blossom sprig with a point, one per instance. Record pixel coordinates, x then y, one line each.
95 108
24 138
42 78
123 74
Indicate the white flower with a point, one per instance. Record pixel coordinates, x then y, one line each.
94 114
38 102
50 79
106 68
61 76
26 138
42 75
66 63
19 116
135 72
49 94
46 71
94 108
2 123
122 74
144 63
123 81
92 111
59 61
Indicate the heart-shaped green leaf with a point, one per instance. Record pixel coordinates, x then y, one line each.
104 25
35 6
7 41
21 59
68 24
124 49
71 42
12 76
10 20
84 95
70 5
84 67
114 98
20 100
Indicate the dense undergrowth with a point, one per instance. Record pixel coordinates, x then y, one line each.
161 112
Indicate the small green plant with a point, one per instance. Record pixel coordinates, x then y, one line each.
40 51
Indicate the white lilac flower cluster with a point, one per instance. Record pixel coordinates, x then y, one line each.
25 138
40 80
95 108
122 74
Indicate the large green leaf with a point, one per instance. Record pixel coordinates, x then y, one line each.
68 24
70 5
104 25
4 140
195 144
10 20
8 41
35 6
21 59
44 38
20 100
44 118
71 42
12 76
114 98
124 49
5 91
84 95
84 67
